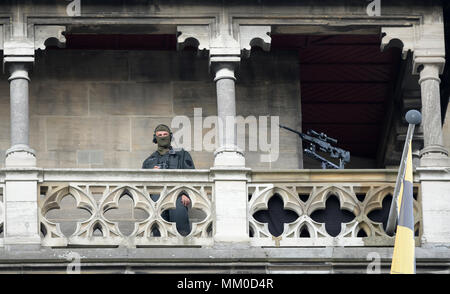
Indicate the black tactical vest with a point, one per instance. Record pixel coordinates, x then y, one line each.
174 159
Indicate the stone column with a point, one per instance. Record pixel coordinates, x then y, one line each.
434 169
21 228
434 172
433 153
427 41
19 154
227 154
21 176
230 175
224 58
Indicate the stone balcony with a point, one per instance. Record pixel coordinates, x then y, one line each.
106 219
112 208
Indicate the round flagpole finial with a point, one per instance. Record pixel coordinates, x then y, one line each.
413 117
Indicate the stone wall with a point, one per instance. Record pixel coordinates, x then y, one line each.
446 129
99 108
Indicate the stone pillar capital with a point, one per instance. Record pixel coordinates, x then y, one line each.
429 72
224 49
224 70
17 52
18 70
428 66
21 49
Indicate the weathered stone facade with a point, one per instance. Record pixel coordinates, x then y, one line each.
78 124
99 108
446 129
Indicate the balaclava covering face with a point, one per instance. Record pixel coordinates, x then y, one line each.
163 142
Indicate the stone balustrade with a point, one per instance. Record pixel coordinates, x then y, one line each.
357 217
112 208
120 211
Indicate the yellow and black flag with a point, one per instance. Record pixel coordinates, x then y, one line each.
403 259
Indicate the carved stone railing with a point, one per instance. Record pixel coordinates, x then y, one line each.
359 192
98 192
123 208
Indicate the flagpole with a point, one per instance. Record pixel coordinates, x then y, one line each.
413 117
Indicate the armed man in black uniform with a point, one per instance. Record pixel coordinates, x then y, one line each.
166 157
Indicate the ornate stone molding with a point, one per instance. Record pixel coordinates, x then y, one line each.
194 35
222 46
400 37
22 49
426 41
254 36
48 34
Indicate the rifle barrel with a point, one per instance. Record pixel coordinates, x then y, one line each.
322 141
292 130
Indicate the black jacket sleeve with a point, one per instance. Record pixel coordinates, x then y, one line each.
145 164
186 161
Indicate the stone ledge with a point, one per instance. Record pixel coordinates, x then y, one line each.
211 254
217 261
